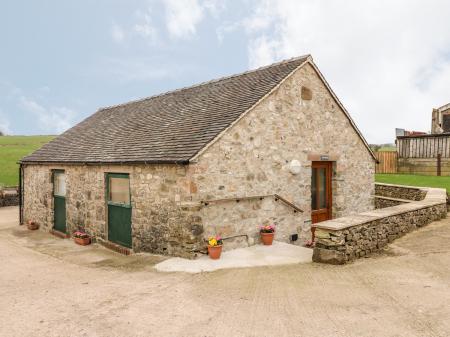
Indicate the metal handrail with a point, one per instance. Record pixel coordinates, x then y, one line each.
260 197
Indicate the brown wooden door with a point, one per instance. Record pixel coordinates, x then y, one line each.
321 201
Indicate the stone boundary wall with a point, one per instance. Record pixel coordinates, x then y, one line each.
383 202
345 239
400 192
9 196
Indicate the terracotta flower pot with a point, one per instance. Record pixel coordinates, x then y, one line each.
82 242
32 226
267 238
214 252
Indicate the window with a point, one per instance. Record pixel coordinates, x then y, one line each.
319 188
306 94
119 190
59 184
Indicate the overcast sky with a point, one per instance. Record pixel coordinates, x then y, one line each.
388 61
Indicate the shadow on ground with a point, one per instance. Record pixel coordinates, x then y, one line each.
94 255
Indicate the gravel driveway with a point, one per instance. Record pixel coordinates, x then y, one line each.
51 287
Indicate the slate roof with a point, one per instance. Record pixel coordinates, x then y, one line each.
167 128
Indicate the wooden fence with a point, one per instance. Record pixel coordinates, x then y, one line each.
387 162
424 155
427 146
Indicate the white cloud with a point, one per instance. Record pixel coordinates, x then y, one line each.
52 119
117 33
46 118
182 17
227 28
388 61
4 124
145 27
262 50
214 7
8 90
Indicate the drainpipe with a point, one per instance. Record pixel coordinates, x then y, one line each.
21 189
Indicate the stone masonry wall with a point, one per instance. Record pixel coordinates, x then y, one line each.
160 223
388 195
382 202
9 196
400 192
343 240
254 156
37 196
230 218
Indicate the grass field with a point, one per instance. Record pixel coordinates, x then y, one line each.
388 148
414 180
12 149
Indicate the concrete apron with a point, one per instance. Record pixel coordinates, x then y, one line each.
255 256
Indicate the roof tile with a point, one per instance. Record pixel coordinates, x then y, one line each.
171 127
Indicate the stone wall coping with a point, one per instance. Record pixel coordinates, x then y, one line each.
7 193
393 199
404 186
435 196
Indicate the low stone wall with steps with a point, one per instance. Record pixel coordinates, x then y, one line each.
345 239
9 196
383 202
400 192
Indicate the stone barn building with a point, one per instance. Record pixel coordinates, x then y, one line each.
440 120
273 145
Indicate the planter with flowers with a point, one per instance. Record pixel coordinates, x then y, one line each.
82 238
215 247
32 225
267 233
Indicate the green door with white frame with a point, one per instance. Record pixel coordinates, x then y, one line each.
59 201
119 208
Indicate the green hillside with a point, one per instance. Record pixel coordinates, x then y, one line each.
12 149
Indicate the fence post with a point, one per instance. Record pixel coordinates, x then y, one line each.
439 164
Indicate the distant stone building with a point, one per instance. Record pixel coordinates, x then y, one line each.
272 145
426 153
440 121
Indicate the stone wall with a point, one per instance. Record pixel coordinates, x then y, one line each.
383 202
161 223
9 196
437 119
388 195
400 192
252 158
229 218
343 240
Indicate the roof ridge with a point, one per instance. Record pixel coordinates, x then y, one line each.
292 59
444 107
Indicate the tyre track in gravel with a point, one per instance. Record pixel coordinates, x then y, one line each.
404 292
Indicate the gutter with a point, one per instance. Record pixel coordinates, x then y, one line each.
21 192
93 163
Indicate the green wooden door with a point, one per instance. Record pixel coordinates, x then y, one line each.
59 201
119 208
